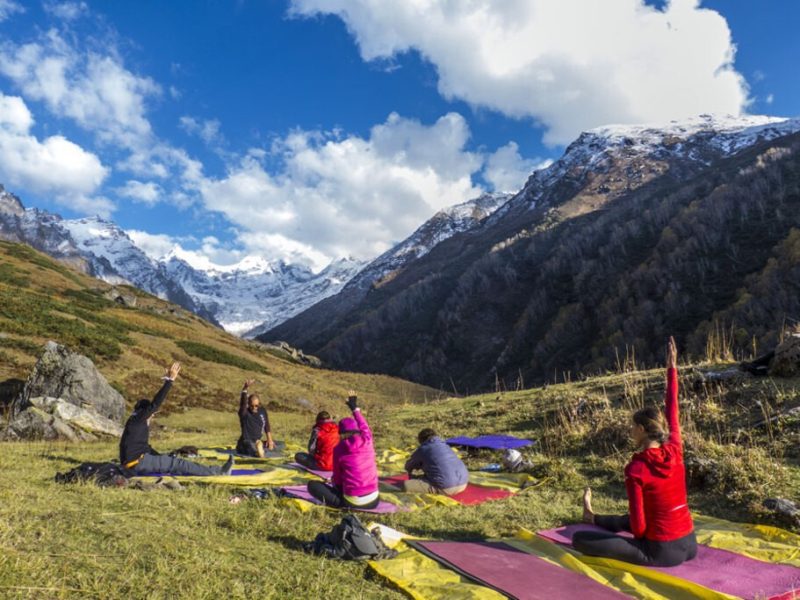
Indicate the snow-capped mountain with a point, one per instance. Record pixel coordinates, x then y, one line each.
441 226
238 297
697 141
254 293
535 284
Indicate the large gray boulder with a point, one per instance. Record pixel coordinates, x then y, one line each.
55 418
73 378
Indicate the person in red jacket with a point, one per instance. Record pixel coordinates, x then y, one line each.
655 479
324 437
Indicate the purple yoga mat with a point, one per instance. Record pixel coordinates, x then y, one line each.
515 573
495 442
301 492
717 569
318 473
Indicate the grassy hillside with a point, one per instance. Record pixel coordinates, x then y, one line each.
41 299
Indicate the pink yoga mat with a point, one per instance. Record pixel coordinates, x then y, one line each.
318 473
474 494
301 492
719 570
515 573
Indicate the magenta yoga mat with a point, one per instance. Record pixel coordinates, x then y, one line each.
513 572
716 569
317 472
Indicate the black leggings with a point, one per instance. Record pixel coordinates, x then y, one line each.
307 460
332 496
633 550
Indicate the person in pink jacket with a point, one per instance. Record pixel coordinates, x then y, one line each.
355 474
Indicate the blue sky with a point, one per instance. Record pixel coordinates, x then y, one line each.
305 130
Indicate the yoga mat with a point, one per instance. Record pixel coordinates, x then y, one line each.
719 570
301 492
495 442
513 572
234 472
474 494
317 472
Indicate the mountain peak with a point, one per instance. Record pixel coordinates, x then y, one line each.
10 204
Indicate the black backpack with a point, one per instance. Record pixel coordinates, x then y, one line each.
104 474
350 540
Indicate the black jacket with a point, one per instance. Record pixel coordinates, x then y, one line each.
252 424
136 436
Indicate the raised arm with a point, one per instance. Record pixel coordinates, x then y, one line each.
243 397
671 399
363 426
161 395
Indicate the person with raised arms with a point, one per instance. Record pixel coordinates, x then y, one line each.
253 421
355 473
135 452
655 480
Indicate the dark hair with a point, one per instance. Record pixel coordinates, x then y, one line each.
323 415
141 404
653 422
425 435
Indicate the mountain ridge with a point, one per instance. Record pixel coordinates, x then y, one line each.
479 308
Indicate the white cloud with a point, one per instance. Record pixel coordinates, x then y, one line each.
770 98
67 11
53 165
145 192
95 90
155 245
207 130
9 8
507 171
337 196
570 65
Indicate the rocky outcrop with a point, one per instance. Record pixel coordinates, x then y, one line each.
787 357
65 397
120 296
54 418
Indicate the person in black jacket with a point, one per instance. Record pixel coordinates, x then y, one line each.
135 452
253 420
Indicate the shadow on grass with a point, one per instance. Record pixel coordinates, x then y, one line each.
289 542
62 458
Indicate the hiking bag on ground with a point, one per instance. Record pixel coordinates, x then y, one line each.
104 474
350 540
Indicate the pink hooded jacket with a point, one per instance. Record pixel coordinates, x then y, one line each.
354 470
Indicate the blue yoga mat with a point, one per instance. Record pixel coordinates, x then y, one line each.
495 442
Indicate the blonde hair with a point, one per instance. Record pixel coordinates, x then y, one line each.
652 420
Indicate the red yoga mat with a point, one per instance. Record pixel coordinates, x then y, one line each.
716 569
513 572
474 494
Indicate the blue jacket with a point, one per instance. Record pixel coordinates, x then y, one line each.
441 465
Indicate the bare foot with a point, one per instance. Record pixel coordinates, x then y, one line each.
588 513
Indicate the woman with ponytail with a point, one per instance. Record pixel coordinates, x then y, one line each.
658 513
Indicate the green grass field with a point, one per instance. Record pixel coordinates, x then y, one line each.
81 541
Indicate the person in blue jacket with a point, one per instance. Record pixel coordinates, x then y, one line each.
442 469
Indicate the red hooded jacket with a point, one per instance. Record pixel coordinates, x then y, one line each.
656 481
324 438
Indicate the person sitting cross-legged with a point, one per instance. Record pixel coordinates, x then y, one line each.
443 471
655 479
324 438
135 452
253 421
355 473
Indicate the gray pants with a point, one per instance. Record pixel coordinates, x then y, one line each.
421 486
172 465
